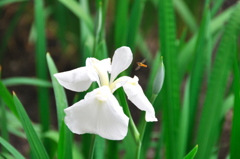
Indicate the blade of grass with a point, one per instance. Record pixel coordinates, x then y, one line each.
7 98
216 6
171 87
235 138
65 143
184 121
11 149
186 54
141 44
26 81
65 139
192 153
36 145
86 36
216 88
3 123
186 14
120 29
60 14
134 22
41 66
99 148
197 74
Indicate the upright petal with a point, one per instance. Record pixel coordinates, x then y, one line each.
98 113
122 58
98 70
76 80
136 95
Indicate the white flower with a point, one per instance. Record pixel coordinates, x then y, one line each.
99 112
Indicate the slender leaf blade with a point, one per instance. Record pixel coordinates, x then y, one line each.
11 149
36 145
26 81
216 88
65 138
192 153
171 87
235 138
7 98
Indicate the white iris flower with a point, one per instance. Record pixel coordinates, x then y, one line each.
99 112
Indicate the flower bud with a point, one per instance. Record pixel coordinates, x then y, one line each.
159 78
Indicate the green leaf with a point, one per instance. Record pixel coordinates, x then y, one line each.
186 14
41 65
197 73
192 153
7 98
171 86
36 145
78 10
120 29
60 96
184 121
65 138
212 108
3 121
235 138
11 149
134 22
65 142
186 54
26 81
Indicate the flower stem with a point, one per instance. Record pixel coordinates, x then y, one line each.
92 146
142 131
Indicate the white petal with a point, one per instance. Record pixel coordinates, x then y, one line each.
75 80
136 95
98 113
119 83
98 70
106 63
122 59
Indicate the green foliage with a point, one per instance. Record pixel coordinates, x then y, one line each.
36 145
199 44
171 88
11 149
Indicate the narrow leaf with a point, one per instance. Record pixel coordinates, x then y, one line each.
36 145
192 153
7 98
77 9
171 87
65 139
235 137
212 109
26 81
11 149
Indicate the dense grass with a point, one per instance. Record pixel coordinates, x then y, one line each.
197 42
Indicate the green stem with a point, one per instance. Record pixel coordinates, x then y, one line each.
92 146
139 142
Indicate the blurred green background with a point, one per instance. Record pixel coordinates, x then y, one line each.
199 42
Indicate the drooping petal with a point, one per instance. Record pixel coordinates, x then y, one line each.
122 58
136 95
76 80
98 113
